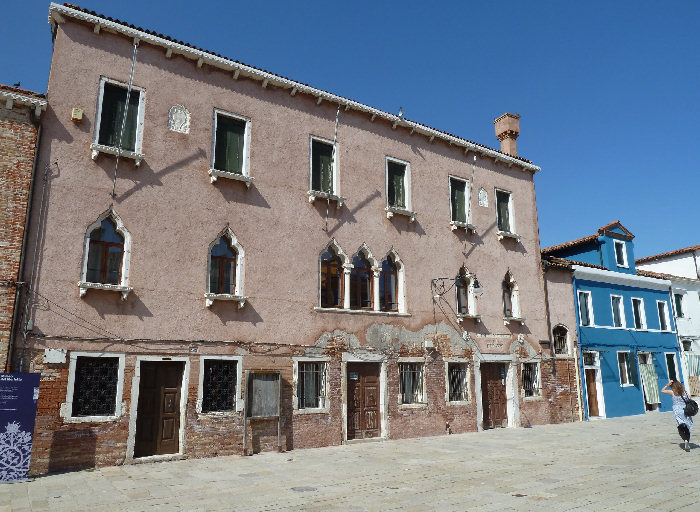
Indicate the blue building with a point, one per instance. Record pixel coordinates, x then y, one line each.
628 348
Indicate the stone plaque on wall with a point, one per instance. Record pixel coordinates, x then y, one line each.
483 197
179 119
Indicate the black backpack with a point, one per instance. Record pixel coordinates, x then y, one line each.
691 407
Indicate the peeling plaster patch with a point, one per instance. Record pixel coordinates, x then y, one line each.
322 342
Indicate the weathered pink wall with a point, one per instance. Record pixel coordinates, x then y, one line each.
173 212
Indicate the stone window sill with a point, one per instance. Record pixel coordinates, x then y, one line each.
359 311
455 224
420 405
211 297
318 410
458 402
110 150
462 316
507 234
124 290
215 173
65 409
535 398
392 210
316 194
516 319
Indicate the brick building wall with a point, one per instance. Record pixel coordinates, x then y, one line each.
18 138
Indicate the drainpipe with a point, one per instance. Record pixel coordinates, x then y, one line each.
22 256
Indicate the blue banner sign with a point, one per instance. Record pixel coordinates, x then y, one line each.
19 393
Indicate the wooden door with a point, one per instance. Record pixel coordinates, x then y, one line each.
493 395
158 410
363 400
592 393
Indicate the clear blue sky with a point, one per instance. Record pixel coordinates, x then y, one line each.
608 91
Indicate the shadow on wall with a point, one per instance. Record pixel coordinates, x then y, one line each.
106 302
230 312
263 431
345 215
72 450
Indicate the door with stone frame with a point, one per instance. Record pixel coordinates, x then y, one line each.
363 400
158 408
493 395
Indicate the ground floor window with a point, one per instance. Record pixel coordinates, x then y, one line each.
311 385
624 361
531 379
219 385
458 382
95 385
411 385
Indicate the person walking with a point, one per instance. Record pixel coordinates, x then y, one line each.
685 423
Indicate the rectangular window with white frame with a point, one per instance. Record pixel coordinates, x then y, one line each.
585 308
311 389
119 121
219 384
457 381
624 363
618 311
398 184
230 144
664 320
459 202
323 164
504 211
412 383
531 380
678 303
95 387
621 254
671 366
640 318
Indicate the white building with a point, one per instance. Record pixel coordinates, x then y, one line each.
682 268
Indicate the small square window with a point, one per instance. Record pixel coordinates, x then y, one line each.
219 385
531 379
590 359
95 386
411 384
620 253
311 385
458 382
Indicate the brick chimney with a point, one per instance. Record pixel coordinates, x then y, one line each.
507 131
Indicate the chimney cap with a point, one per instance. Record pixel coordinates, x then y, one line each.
507 131
507 114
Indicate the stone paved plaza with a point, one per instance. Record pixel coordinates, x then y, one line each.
633 463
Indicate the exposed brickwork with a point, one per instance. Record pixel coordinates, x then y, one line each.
18 136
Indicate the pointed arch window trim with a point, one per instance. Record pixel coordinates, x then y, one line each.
238 294
370 276
123 287
511 301
466 290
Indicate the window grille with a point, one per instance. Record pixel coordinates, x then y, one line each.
95 386
311 385
560 335
219 393
531 379
411 383
458 376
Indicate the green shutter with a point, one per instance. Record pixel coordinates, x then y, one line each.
396 193
230 140
112 116
321 167
458 200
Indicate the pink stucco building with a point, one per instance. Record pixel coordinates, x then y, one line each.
277 265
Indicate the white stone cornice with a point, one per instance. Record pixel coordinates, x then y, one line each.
21 99
608 276
57 13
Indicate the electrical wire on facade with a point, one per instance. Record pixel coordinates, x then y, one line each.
121 132
333 160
